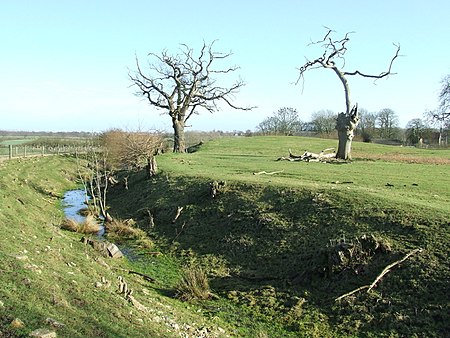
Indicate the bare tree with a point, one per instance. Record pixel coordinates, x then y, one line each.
183 84
415 131
95 174
387 121
441 116
333 58
367 124
324 121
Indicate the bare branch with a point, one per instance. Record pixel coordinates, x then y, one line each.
382 74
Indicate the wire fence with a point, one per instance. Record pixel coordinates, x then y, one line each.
10 152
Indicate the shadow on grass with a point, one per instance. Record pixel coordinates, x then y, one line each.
282 238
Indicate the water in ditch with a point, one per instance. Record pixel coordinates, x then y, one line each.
73 202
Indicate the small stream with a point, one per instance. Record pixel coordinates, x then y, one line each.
73 202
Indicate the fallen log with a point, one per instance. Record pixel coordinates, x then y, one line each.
307 156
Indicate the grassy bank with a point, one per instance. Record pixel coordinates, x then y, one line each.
277 249
285 246
49 279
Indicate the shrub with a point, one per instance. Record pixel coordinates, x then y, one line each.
194 285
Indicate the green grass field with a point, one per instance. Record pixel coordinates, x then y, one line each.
46 272
397 174
278 249
270 240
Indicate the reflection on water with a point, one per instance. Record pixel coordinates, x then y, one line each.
73 202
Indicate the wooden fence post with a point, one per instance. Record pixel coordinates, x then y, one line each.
24 151
10 151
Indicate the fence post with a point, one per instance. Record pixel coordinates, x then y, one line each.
24 151
10 151
43 150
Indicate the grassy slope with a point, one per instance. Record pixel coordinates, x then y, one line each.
267 239
46 272
265 242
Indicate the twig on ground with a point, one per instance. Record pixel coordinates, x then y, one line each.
266 173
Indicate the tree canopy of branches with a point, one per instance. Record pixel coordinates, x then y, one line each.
367 124
387 121
416 130
185 83
285 121
323 121
132 149
441 116
333 58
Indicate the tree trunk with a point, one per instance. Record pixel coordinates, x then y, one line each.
152 167
346 125
179 142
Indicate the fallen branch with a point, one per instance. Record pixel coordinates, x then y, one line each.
381 275
151 253
266 173
390 266
179 210
146 277
131 272
352 292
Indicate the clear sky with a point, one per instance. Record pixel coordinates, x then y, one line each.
64 64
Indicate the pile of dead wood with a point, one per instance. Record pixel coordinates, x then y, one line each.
325 155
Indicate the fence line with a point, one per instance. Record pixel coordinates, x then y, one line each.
22 151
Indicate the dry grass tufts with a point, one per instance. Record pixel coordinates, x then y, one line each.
89 226
124 229
405 158
194 285
69 224
86 212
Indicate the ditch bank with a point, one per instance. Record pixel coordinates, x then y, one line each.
289 254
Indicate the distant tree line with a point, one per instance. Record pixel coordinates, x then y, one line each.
381 126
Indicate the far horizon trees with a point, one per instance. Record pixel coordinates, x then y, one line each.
387 122
183 84
441 116
285 121
324 121
367 125
415 132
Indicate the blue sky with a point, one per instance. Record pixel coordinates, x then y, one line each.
64 64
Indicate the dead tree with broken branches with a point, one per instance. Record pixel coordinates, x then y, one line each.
333 58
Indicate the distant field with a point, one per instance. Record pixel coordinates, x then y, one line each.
402 174
35 145
14 142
